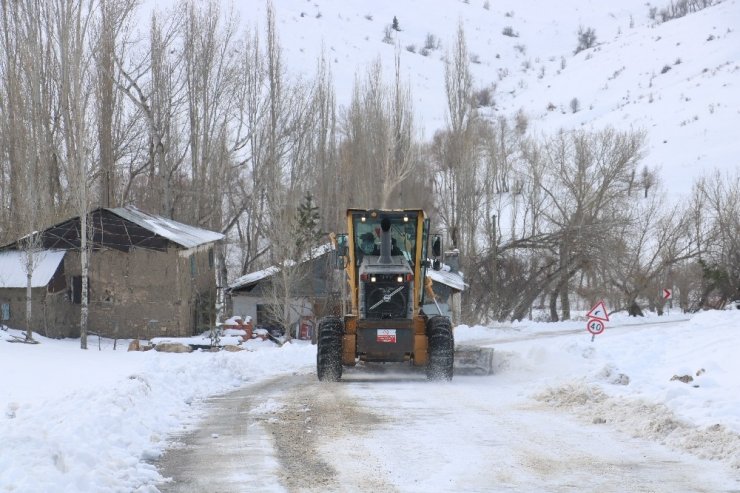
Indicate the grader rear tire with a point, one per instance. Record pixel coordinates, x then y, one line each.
329 350
441 349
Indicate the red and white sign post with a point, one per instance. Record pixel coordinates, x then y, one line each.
668 296
596 318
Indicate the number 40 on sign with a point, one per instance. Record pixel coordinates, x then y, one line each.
596 318
594 326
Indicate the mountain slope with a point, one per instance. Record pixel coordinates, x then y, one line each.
677 80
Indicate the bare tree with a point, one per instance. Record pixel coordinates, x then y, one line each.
403 160
25 113
326 182
153 83
27 71
31 245
105 100
287 288
251 113
586 39
210 66
574 192
379 148
643 250
271 142
590 175
720 259
14 130
457 180
112 23
71 22
279 136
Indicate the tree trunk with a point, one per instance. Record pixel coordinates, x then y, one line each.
85 268
554 306
106 105
223 302
564 285
565 300
29 294
634 309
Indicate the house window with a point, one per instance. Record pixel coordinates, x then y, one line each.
77 290
266 315
5 311
210 259
193 269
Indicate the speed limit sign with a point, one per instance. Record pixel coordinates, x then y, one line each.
595 326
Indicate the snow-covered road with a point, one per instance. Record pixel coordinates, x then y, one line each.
385 428
436 437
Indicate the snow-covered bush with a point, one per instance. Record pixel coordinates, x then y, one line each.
586 39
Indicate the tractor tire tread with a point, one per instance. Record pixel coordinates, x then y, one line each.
441 349
329 349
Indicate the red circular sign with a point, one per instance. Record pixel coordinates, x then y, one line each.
595 326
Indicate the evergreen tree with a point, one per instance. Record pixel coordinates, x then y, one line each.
308 219
395 25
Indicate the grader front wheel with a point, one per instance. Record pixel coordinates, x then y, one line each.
329 350
441 349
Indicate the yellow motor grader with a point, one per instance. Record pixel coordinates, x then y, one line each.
392 315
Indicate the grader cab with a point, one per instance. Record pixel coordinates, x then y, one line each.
386 254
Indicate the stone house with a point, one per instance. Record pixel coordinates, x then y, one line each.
149 276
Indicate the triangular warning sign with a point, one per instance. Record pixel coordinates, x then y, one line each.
599 312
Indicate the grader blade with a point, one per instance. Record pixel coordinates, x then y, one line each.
473 360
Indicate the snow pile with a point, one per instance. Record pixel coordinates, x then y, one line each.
225 337
675 381
90 420
644 419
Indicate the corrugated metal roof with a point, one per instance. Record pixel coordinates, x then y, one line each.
13 272
451 279
182 234
254 277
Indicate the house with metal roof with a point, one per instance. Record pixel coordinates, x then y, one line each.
149 276
314 294
448 284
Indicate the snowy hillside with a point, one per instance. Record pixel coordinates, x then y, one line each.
678 80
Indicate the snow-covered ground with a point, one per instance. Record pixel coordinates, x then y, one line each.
92 420
77 420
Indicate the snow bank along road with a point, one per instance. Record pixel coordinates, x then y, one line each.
387 429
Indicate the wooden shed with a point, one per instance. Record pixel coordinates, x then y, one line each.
149 276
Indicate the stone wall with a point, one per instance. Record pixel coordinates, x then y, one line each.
145 293
52 313
137 294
